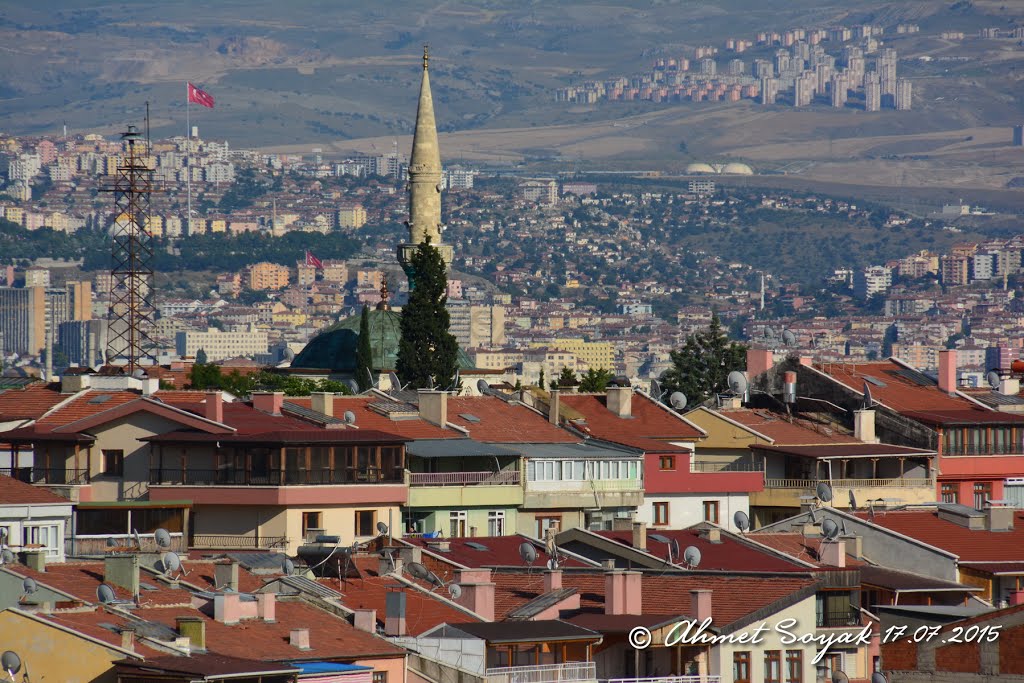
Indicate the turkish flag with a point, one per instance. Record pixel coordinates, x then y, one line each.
199 96
314 261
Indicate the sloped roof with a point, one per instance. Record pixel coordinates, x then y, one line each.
783 431
500 422
487 551
206 665
367 418
81 578
970 546
648 425
14 492
29 402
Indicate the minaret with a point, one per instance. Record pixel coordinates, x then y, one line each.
424 180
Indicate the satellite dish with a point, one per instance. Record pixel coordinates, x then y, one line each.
434 579
287 566
29 585
769 331
738 383
382 528
830 529
418 571
483 387
677 400
171 562
6 556
655 389
111 542
528 553
823 492
352 385
139 373
741 520
853 501
691 556
396 384
289 354
105 594
349 417
993 379
840 677
879 677
673 546
10 662
138 539
869 401
842 529
455 590
552 563
788 338
163 538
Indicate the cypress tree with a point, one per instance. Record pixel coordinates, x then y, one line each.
427 350
364 353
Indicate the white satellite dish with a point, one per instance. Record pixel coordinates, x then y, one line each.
171 562
105 594
29 585
738 383
677 400
287 566
869 400
138 539
691 556
483 387
349 417
993 379
788 338
528 553
741 520
396 384
11 663
823 492
6 556
552 564
352 385
830 529
163 538
455 590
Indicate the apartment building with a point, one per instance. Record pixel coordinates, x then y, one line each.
220 344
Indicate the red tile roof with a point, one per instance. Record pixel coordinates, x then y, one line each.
500 422
970 546
14 492
782 431
650 423
413 428
501 551
729 555
845 450
85 404
29 403
88 623
798 546
661 595
80 579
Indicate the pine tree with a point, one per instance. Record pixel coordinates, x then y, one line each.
427 350
364 353
701 367
201 357
595 381
567 378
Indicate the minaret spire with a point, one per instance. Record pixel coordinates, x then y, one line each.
424 178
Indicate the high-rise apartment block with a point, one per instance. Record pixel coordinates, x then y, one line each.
904 94
872 92
261 276
763 69
872 280
769 90
803 89
1018 135
839 90
351 216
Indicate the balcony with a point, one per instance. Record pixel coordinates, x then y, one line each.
40 475
982 449
230 477
726 467
811 484
588 493
461 489
544 673
794 492
668 679
237 542
839 619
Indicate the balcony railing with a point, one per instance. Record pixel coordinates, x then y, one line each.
42 475
727 467
850 483
839 619
191 477
668 679
543 673
231 542
993 449
503 478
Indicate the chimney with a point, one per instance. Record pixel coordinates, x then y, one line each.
269 402
864 426
732 402
807 361
214 406
622 592
433 406
193 628
227 608
833 553
299 638
554 406
700 604
150 385
35 559
72 384
322 402
365 620
552 580
477 591
1000 518
712 533
947 371
620 401
858 547
759 361
394 613
266 607
225 576
123 571
1009 386
128 639
639 535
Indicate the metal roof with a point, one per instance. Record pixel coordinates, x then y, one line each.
310 414
579 450
305 585
519 631
457 448
541 603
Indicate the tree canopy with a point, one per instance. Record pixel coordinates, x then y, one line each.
209 376
364 353
699 369
427 351
595 381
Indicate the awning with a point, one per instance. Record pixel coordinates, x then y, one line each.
457 448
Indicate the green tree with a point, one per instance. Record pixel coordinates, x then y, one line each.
541 382
364 353
205 376
699 369
566 379
595 381
201 358
427 350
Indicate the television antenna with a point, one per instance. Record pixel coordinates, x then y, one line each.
691 556
823 492
677 400
738 383
741 520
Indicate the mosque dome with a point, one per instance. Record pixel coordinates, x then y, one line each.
736 168
700 168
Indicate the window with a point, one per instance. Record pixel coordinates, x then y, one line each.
496 523
950 493
310 520
711 511
772 666
380 677
365 521
667 462
113 463
794 666
829 663
458 519
661 513
741 667
545 523
46 536
982 493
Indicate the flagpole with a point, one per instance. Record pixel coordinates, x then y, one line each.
188 160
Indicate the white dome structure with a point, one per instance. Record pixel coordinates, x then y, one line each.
736 168
699 168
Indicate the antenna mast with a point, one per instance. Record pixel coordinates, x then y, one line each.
130 316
